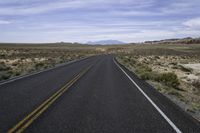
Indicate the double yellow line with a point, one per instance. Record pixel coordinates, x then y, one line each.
24 123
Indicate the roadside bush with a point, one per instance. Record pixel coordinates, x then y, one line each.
146 68
196 83
16 73
2 56
142 69
15 64
145 76
39 65
170 79
177 94
132 62
3 67
148 76
145 72
4 76
175 67
126 60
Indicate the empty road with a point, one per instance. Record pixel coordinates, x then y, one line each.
93 95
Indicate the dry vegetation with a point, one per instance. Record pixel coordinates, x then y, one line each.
18 59
173 70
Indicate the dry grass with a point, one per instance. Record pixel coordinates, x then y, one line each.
26 58
171 69
168 67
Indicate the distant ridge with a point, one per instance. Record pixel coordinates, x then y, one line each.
187 40
106 42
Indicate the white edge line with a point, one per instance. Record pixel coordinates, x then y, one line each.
35 73
149 99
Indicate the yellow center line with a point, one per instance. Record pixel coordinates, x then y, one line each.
24 123
38 108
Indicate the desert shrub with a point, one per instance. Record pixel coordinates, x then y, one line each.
132 61
46 66
196 83
126 60
3 67
142 69
15 64
10 72
157 57
177 94
146 68
145 76
5 75
39 65
170 79
17 73
173 63
148 75
174 67
2 56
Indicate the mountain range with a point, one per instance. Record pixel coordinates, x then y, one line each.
106 42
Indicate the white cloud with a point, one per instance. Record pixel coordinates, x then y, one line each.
84 20
133 13
5 22
84 34
193 23
180 7
25 8
35 9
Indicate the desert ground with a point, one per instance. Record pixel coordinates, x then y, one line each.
173 69
20 59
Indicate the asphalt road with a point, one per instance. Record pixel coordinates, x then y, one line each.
93 95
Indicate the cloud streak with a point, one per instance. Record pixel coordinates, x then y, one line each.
193 23
3 22
78 20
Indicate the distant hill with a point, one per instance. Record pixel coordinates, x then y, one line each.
106 42
187 40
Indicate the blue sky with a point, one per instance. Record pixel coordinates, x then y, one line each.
91 20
